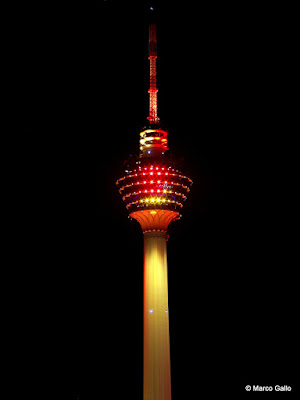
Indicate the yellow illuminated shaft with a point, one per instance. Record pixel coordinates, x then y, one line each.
157 374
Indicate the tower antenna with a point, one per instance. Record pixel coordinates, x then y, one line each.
153 118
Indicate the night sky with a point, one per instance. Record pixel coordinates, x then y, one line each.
80 81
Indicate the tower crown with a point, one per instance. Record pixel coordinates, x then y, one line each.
152 187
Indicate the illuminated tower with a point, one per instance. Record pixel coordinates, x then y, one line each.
154 191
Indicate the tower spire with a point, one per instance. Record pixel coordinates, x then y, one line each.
153 118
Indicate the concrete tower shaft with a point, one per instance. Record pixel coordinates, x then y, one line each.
157 369
157 365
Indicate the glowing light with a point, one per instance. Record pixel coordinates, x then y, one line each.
129 184
151 310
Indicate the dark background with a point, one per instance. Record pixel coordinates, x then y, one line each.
78 81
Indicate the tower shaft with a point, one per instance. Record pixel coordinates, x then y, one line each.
157 371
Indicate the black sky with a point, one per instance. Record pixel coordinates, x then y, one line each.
82 95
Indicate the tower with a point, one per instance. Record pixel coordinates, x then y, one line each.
154 190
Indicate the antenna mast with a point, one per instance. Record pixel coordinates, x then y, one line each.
153 118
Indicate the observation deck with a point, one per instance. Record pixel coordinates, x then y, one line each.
153 183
